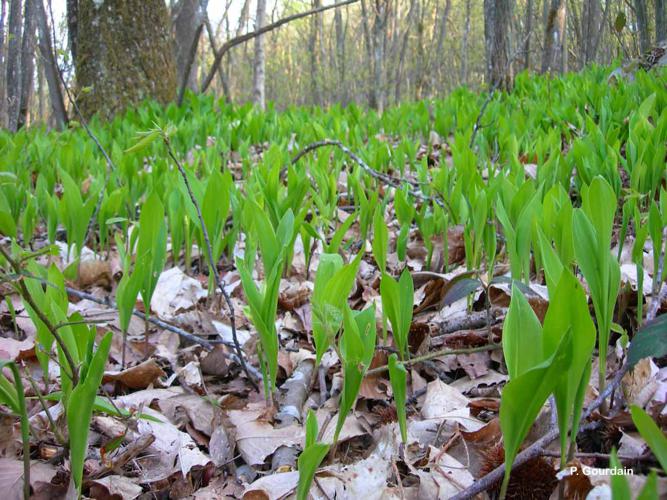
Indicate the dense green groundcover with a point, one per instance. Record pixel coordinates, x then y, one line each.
554 174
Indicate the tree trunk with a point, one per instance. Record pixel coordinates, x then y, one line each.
125 55
365 24
379 30
258 88
72 14
3 38
442 35
404 46
660 21
590 21
27 62
642 26
497 22
340 56
464 45
51 71
313 45
553 36
13 68
187 19
528 25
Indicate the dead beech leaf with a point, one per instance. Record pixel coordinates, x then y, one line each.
442 399
94 272
175 292
257 439
190 376
446 478
272 487
11 349
136 377
11 476
114 487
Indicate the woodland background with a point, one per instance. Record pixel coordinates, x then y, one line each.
374 52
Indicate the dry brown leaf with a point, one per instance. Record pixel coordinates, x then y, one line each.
175 292
114 487
11 476
136 377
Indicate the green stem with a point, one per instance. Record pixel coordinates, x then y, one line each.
25 429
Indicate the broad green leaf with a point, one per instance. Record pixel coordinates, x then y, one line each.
522 336
80 409
568 311
651 433
397 304
524 395
650 341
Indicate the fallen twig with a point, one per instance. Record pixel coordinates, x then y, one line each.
537 448
209 254
388 179
206 344
437 354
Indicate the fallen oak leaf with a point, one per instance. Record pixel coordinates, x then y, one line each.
136 377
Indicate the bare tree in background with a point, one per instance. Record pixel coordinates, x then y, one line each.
27 62
187 17
660 21
642 25
340 55
497 22
13 65
528 28
258 87
464 44
3 39
553 36
48 60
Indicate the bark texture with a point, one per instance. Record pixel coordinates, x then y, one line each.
553 36
50 69
497 23
258 86
13 68
187 19
27 62
660 21
125 54
642 26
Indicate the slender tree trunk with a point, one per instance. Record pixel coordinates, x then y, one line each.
41 92
660 21
258 88
13 68
27 62
643 26
340 56
125 54
597 36
497 22
51 71
442 35
591 25
464 45
379 31
553 36
365 23
187 18
73 26
528 25
313 44
3 62
404 45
